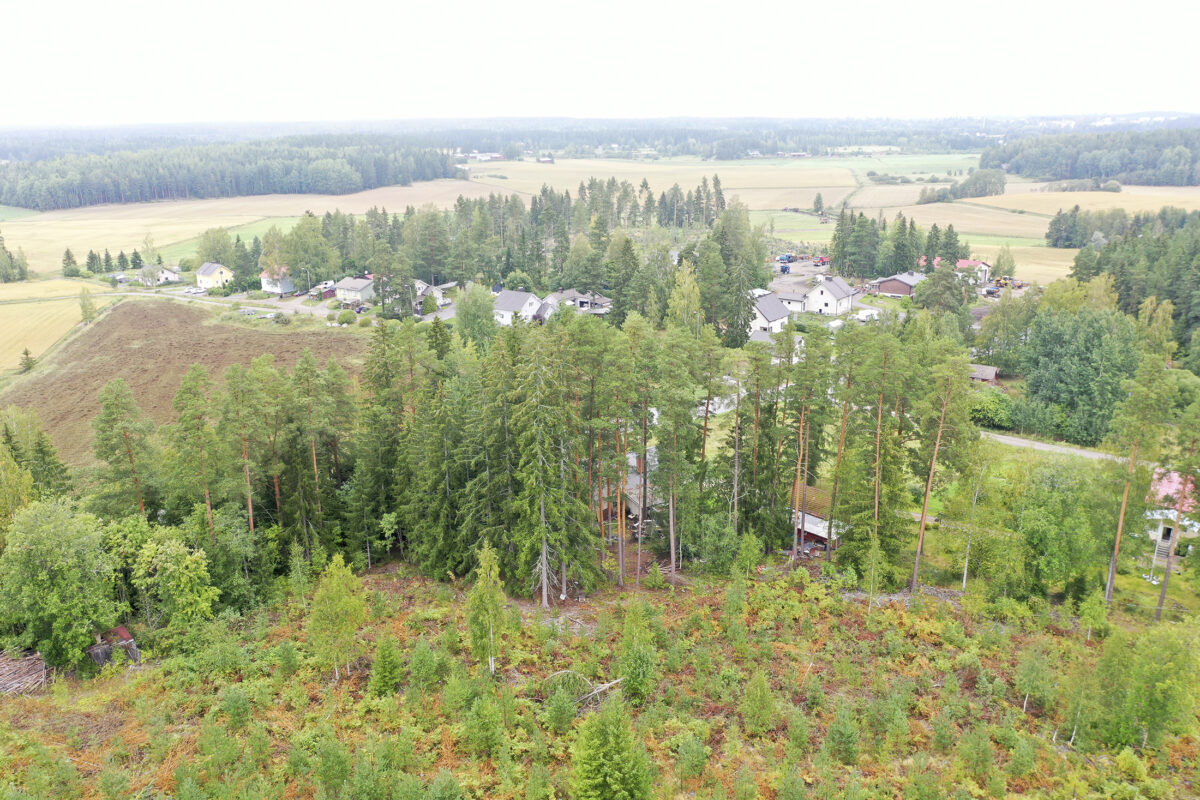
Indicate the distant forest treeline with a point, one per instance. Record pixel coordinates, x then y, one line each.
1158 157
294 165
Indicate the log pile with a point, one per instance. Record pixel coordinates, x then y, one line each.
24 673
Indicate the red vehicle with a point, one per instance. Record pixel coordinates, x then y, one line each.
820 261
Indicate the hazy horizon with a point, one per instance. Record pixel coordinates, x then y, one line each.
83 65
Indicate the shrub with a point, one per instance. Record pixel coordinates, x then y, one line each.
485 727
444 787
976 753
235 705
365 322
385 670
842 735
654 578
691 756
758 705
425 667
991 408
559 711
346 317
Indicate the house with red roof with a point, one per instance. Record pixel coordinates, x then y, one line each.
1172 505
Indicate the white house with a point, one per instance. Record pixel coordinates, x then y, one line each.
280 283
160 276
587 302
508 306
793 301
212 275
831 295
355 291
1169 521
770 314
439 293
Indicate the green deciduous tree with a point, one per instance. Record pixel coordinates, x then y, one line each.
338 609
485 609
56 581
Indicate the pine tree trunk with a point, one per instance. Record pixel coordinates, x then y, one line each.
622 468
1179 503
544 563
801 475
137 483
1112 564
937 443
316 472
737 455
837 468
249 487
671 526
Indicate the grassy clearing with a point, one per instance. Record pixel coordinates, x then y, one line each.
794 227
187 248
36 325
13 212
917 164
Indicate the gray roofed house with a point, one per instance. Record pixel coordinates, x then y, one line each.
591 302
770 314
355 290
985 374
830 295
899 285
212 275
508 305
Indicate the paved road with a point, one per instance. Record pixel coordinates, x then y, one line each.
1065 449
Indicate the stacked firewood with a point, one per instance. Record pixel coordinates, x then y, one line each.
24 673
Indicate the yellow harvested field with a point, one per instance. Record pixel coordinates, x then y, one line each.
58 287
36 325
767 199
1133 199
904 194
123 227
1040 265
736 176
970 219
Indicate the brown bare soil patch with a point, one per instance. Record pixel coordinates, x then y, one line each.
151 344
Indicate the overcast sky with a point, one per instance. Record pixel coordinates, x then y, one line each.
87 63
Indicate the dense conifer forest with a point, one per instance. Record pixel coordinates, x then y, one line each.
1159 157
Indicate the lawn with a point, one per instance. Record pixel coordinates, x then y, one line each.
13 212
1140 597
